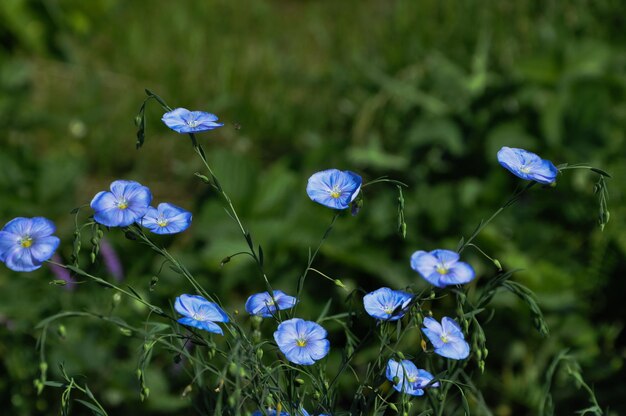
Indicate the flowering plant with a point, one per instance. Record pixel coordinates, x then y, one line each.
299 369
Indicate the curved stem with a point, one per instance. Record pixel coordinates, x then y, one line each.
513 199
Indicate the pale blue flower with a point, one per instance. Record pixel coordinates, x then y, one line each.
166 219
182 120
527 165
25 243
302 342
447 338
262 304
442 268
127 203
386 304
334 188
200 313
408 378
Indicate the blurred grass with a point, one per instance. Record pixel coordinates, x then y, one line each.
425 92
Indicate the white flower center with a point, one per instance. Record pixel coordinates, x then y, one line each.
162 222
193 123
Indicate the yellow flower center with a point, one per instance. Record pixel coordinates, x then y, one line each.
26 241
525 169
122 204
444 338
442 270
162 222
335 192
301 342
388 310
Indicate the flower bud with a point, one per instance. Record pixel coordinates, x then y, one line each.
299 381
187 390
393 407
497 263
259 354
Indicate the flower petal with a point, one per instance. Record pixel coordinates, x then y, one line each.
43 248
20 260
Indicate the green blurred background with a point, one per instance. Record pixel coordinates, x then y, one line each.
423 91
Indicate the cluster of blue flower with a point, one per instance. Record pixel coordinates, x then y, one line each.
25 243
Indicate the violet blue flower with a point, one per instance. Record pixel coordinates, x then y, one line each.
166 219
25 243
111 260
386 304
127 202
262 304
200 313
447 338
334 188
302 342
408 378
527 165
61 273
442 268
182 120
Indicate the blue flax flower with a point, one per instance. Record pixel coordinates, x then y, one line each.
527 165
25 243
182 120
334 188
447 338
302 342
262 304
268 412
200 313
166 219
410 379
442 268
127 202
386 304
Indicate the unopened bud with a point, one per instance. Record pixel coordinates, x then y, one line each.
393 407
61 331
202 177
259 354
400 355
340 283
299 381
224 261
497 263
58 282
116 299
127 332
187 390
